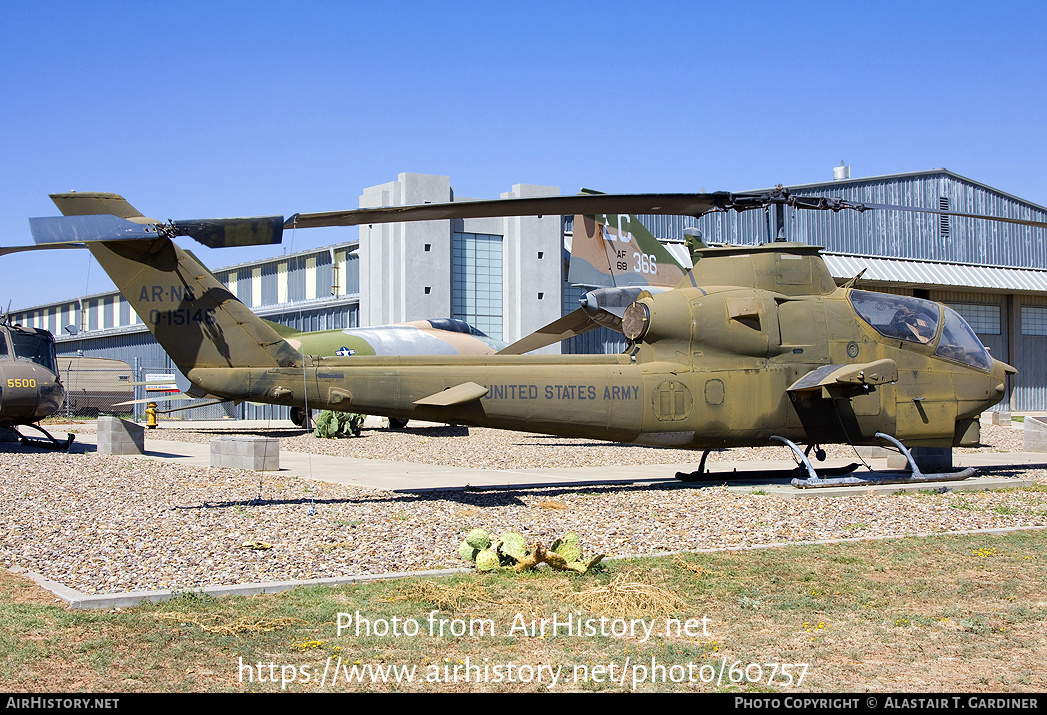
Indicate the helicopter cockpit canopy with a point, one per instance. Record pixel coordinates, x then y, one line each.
915 320
35 346
959 343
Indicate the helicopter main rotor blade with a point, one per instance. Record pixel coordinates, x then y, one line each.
588 204
666 204
95 227
228 232
5 250
959 214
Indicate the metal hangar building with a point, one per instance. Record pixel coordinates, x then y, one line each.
506 276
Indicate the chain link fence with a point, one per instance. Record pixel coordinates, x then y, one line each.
96 386
104 386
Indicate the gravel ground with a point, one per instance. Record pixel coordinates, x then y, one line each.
103 524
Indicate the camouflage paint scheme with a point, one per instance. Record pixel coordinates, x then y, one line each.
754 342
446 336
618 250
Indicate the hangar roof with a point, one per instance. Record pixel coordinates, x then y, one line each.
888 271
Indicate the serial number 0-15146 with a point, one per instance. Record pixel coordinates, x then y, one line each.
181 316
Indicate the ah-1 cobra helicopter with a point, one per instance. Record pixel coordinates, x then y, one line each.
30 387
755 345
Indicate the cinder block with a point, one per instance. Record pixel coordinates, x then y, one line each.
872 452
1034 434
930 460
259 454
116 436
1001 418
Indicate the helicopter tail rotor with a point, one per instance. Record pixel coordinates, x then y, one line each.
100 216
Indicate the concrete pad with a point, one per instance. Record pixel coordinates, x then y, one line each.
930 460
408 476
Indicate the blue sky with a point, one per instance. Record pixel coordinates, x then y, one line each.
197 110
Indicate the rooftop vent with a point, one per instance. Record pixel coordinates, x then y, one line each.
841 172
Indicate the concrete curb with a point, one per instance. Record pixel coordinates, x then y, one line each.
127 599
83 601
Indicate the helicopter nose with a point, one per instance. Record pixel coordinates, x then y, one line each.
1000 372
52 397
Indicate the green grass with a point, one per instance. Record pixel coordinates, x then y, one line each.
941 613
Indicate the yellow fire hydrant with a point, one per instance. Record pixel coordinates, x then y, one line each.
150 415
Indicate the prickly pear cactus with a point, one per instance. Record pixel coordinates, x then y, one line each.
572 551
478 539
467 551
487 560
511 552
513 545
334 425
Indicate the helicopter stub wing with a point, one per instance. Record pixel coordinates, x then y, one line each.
457 395
872 373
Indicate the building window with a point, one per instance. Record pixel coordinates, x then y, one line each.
476 281
984 319
1034 320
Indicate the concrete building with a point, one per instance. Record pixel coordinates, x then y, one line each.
506 275
500 275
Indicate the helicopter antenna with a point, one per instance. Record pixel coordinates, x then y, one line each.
850 283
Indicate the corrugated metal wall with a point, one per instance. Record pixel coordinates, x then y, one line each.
905 234
325 299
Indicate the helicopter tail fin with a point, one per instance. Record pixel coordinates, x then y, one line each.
618 250
195 318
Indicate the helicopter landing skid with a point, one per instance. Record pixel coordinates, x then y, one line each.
49 443
882 478
914 476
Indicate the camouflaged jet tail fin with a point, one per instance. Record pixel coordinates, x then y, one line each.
617 250
574 323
